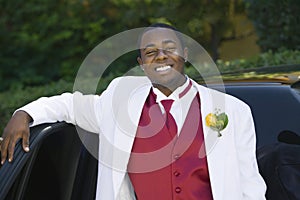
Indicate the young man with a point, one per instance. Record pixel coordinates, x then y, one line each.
159 136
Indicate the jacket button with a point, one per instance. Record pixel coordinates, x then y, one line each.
176 173
177 189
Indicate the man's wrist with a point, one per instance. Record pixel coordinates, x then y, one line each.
24 115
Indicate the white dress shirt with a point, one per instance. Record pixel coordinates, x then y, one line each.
181 104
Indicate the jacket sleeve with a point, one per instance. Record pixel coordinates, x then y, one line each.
252 184
75 108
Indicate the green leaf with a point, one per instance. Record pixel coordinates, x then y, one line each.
224 119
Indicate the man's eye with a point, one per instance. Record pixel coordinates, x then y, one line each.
151 52
171 49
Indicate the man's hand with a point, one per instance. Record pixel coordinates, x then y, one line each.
17 128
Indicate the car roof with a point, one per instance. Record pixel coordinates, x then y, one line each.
283 74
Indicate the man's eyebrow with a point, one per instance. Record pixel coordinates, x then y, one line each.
148 46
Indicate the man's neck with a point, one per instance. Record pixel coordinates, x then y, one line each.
168 90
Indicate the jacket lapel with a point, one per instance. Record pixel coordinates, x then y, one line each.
131 96
211 100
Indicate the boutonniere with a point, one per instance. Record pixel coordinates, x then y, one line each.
217 121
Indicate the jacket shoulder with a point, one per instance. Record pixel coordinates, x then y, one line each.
229 99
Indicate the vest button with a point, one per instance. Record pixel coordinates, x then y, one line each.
176 173
176 157
177 189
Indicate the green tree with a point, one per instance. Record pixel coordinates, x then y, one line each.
210 22
276 23
44 41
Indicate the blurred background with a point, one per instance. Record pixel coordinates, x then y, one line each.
43 42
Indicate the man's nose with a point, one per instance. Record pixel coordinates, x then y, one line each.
161 54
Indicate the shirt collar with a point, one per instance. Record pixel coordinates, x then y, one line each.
176 94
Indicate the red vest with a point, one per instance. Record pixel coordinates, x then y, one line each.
162 167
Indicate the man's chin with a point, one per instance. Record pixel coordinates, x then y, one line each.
168 80
170 85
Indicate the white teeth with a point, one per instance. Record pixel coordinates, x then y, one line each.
163 68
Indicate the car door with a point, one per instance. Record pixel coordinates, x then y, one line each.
57 167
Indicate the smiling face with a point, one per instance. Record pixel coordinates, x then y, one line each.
162 59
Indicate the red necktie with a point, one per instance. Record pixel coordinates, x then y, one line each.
170 121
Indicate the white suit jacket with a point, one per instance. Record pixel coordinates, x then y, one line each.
115 114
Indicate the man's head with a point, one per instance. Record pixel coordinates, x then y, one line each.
160 25
162 56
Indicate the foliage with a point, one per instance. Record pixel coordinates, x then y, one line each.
276 23
18 96
44 41
210 22
264 60
269 58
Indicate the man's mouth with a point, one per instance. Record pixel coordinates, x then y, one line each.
163 68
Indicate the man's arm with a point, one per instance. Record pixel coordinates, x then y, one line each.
82 110
74 108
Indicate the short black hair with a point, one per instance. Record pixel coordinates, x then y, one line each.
159 25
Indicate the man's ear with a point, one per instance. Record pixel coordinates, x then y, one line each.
185 54
140 61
